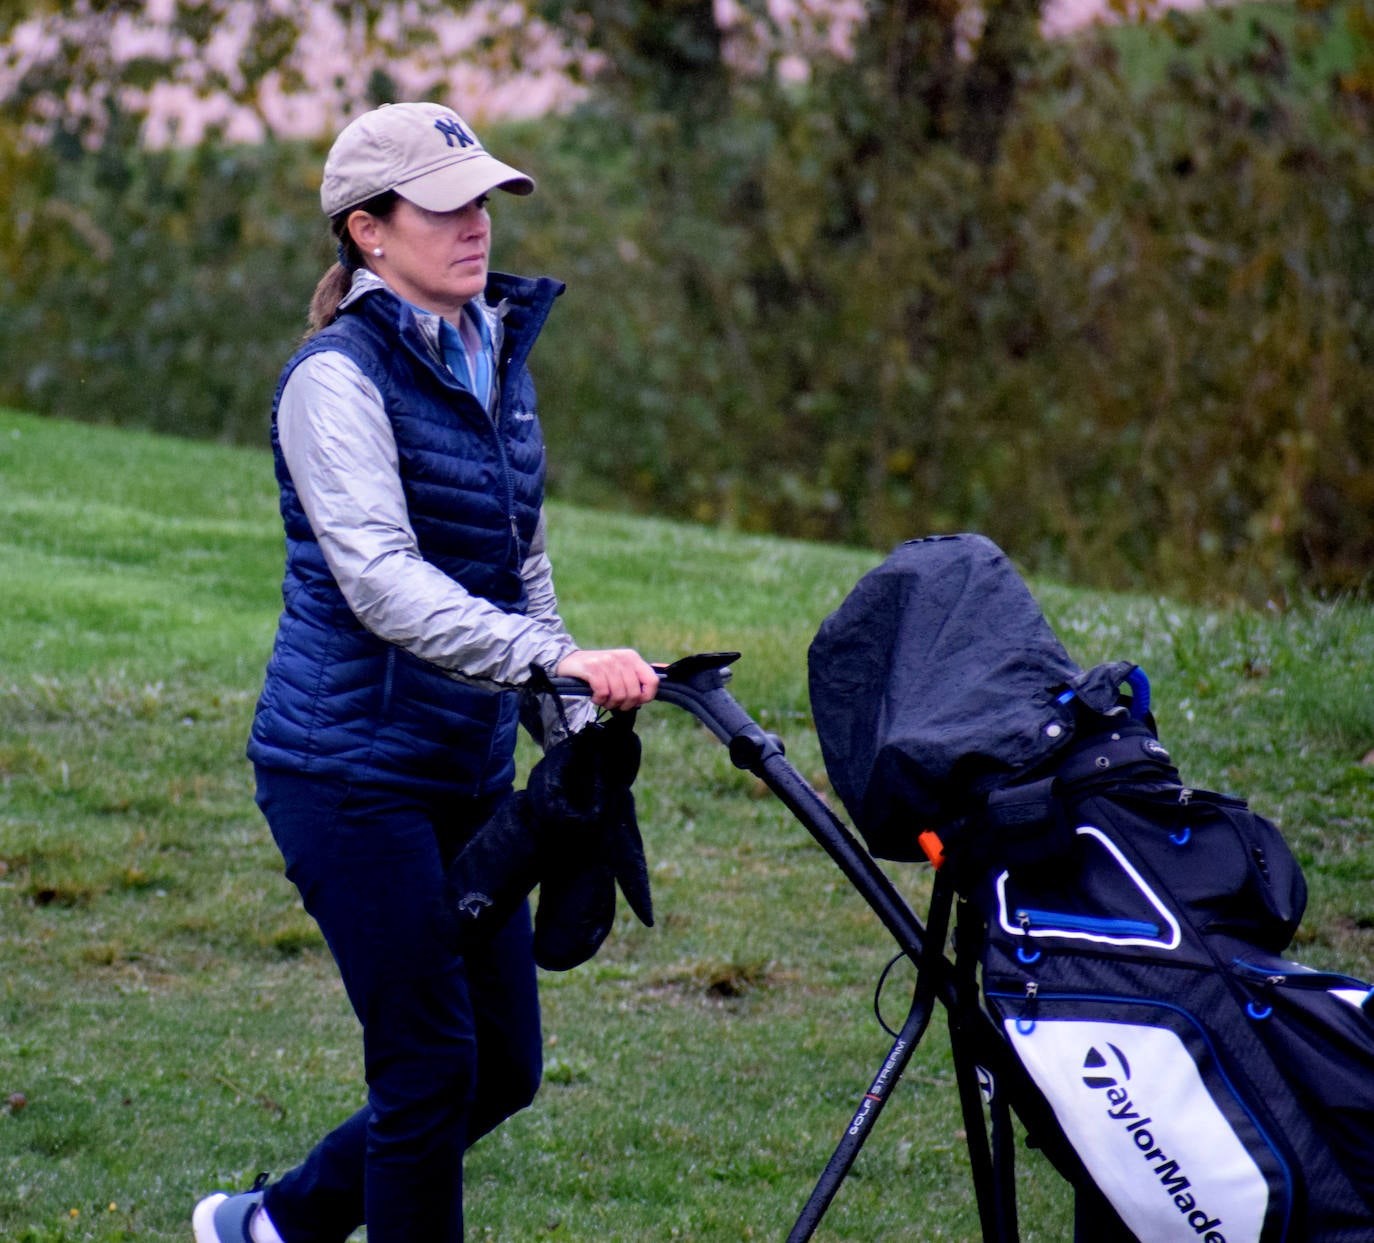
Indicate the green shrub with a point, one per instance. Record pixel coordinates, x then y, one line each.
159 290
1118 318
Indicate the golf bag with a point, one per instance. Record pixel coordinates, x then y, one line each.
1127 930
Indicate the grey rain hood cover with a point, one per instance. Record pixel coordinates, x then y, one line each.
937 676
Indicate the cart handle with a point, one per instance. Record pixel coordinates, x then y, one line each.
697 684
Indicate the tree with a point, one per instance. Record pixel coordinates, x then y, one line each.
862 273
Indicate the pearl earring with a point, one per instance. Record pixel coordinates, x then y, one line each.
377 250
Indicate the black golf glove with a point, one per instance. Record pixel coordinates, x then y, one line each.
572 831
494 872
591 840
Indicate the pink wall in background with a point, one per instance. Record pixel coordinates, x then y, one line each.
331 53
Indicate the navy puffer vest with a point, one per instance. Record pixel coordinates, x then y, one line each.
337 700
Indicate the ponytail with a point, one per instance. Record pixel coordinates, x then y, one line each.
324 303
334 285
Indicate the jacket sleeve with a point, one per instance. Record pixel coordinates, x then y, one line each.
557 719
341 452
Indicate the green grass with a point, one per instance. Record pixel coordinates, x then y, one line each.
172 1020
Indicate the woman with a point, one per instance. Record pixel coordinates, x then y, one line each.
417 595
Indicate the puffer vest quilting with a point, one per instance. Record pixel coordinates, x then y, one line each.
339 701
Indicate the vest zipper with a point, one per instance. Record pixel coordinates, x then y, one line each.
493 413
388 680
498 422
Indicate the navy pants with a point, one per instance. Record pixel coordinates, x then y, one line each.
451 1044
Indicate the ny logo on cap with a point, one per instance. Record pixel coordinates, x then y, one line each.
451 130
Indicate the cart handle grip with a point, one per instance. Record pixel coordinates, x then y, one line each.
695 683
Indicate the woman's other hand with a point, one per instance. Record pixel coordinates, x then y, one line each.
620 677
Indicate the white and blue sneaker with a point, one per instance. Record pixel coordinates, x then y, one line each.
225 1217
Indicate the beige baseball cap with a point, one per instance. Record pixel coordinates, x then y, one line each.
425 152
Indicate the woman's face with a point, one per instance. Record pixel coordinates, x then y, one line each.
437 260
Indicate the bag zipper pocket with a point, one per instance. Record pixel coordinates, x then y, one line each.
1296 977
1050 921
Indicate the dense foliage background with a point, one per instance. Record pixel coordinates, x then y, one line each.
1109 301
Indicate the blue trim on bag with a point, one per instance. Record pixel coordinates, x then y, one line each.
1211 1048
1106 926
1139 683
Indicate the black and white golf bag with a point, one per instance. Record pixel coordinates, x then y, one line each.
1128 930
1212 1089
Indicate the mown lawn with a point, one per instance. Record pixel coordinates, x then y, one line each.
169 1018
